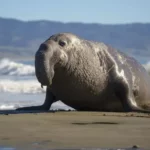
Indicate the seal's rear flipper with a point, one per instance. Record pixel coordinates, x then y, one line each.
124 93
143 109
130 105
140 110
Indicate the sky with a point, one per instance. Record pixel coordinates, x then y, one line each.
86 11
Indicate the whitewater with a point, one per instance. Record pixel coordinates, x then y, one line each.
19 86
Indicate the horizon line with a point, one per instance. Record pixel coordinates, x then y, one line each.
69 22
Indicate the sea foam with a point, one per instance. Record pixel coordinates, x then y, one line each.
8 67
21 86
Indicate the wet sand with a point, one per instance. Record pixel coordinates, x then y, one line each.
75 130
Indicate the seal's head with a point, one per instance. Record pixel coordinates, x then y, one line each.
53 53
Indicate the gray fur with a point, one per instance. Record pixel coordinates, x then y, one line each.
90 76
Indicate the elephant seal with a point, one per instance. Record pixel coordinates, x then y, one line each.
90 76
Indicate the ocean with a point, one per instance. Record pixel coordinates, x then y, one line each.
19 86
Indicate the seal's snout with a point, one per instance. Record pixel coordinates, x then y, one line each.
43 47
43 67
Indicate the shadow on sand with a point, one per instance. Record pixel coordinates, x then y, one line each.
7 112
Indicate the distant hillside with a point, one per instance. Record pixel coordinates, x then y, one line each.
19 38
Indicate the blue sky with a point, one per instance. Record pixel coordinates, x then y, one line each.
88 11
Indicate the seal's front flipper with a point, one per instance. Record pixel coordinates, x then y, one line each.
50 98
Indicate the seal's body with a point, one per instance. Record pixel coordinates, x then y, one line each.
90 76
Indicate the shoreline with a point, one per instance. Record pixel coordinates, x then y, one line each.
74 129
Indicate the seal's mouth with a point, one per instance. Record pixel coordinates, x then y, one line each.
44 77
48 83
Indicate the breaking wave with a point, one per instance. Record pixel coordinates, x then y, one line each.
21 86
8 67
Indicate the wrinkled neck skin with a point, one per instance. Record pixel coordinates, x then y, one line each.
82 69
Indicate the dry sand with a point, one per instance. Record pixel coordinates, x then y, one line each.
75 130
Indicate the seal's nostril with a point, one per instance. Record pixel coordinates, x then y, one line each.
43 47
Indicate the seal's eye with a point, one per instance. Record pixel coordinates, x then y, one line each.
62 43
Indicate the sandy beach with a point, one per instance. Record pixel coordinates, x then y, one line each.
75 130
